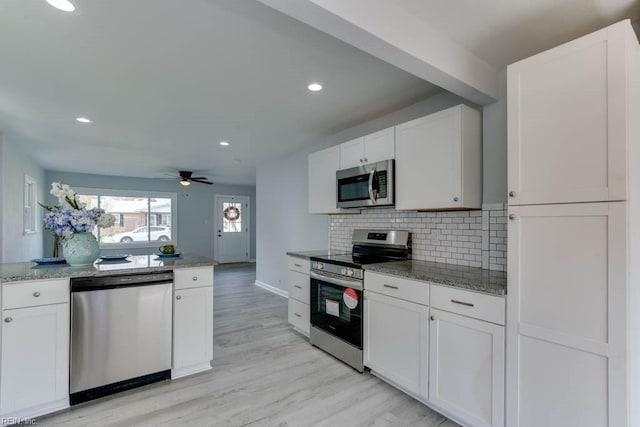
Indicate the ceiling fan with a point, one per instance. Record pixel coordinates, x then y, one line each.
186 179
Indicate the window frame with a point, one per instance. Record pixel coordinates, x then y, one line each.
104 192
30 205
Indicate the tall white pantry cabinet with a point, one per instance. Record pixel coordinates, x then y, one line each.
573 311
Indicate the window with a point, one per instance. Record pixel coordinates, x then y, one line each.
142 219
30 212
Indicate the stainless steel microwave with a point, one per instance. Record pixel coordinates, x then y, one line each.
367 185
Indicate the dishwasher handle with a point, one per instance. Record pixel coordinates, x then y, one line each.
85 284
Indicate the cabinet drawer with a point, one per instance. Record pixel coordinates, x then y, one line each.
471 304
299 286
299 315
34 293
184 278
301 265
397 287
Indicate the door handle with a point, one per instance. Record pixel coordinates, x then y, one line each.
371 195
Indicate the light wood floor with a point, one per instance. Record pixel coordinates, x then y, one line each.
264 375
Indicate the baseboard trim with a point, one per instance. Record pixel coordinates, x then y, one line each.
272 289
252 260
190 370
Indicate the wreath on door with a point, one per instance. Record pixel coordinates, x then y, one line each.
232 213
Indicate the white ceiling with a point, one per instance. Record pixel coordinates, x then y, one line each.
504 31
165 81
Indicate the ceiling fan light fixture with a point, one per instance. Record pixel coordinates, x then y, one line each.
185 182
63 5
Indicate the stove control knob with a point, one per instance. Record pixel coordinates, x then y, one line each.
320 266
349 272
343 271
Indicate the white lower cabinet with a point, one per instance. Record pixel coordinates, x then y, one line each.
35 349
443 345
192 321
466 368
396 338
299 294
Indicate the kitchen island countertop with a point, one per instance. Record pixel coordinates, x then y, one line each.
468 278
135 264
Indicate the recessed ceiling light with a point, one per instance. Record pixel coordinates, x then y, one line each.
83 120
224 143
315 87
64 5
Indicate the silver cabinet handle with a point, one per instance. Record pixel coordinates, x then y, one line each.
360 160
366 160
194 278
36 294
297 286
390 286
432 318
297 314
8 319
297 265
512 217
178 297
455 199
512 194
468 304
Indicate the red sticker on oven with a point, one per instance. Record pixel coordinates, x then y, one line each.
350 298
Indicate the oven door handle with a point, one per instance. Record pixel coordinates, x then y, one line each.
371 195
344 283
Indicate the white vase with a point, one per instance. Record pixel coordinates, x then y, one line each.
80 249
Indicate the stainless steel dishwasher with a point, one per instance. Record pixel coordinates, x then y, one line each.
120 333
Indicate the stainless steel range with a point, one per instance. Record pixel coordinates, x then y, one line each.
336 291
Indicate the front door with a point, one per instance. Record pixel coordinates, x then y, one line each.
232 222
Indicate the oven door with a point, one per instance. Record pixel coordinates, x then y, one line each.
366 185
336 307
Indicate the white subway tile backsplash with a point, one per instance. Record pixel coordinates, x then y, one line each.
471 238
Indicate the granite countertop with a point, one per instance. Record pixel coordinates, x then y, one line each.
136 264
309 254
469 278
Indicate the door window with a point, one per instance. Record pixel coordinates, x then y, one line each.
231 217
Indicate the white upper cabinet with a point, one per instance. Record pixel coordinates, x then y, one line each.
371 148
322 180
568 121
322 169
439 161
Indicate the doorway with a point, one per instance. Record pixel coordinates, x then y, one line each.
232 242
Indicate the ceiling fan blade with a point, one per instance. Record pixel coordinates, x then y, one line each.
200 177
202 181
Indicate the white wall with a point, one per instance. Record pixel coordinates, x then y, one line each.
196 227
494 146
283 221
15 163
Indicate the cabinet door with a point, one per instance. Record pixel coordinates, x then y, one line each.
396 338
428 162
35 356
299 314
380 146
567 122
566 315
192 327
466 368
352 153
322 180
